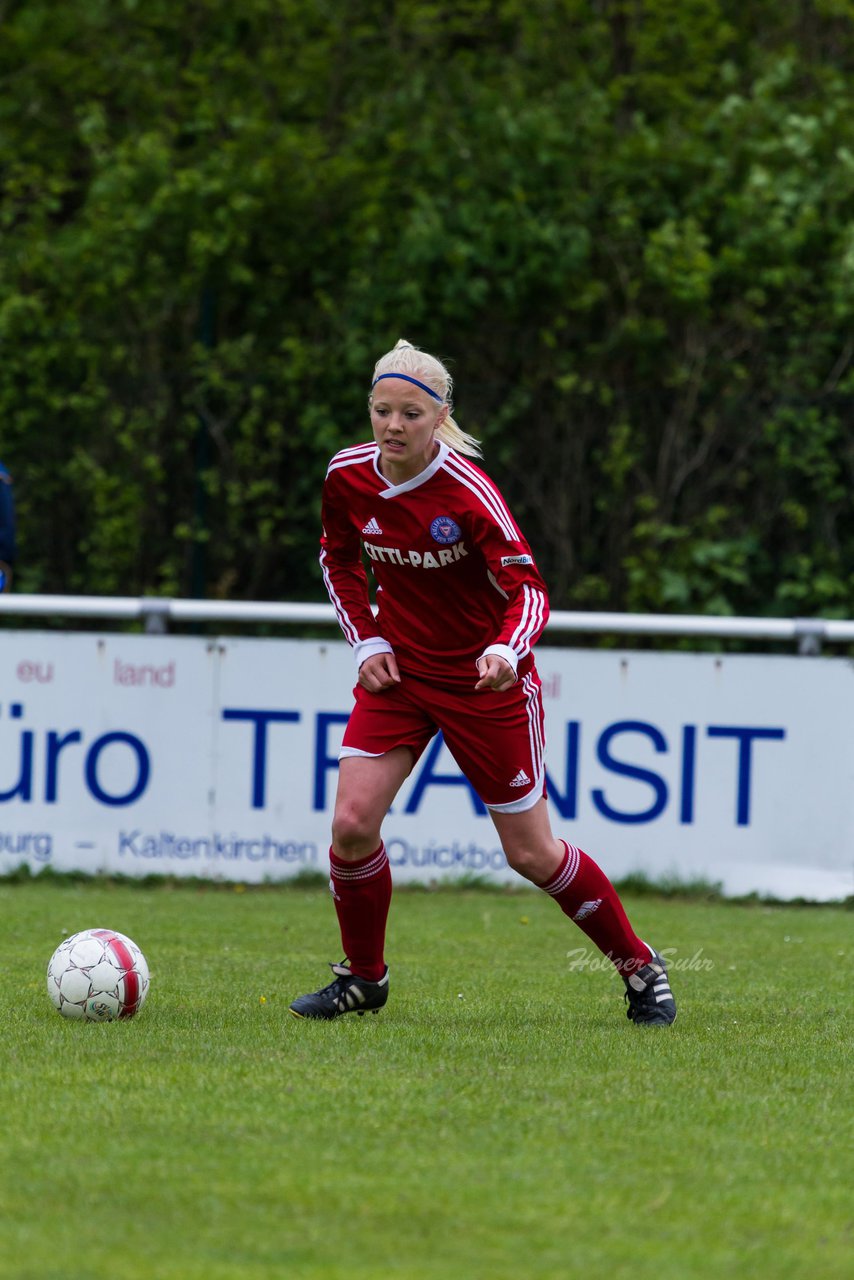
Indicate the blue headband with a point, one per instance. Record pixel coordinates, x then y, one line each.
406 378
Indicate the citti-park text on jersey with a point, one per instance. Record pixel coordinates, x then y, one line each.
427 560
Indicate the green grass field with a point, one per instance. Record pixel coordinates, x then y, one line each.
499 1120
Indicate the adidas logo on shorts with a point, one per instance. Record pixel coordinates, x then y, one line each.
372 528
521 780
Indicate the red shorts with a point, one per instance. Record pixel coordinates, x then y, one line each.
497 739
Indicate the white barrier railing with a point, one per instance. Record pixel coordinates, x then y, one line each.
156 613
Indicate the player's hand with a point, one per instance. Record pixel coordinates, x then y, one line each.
379 672
495 673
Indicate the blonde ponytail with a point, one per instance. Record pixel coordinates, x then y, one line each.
404 358
453 435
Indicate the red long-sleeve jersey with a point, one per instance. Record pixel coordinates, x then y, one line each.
455 577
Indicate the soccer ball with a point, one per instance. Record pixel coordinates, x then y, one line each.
99 975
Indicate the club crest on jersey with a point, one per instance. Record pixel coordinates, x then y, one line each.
445 530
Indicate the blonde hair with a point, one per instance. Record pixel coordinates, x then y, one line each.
404 358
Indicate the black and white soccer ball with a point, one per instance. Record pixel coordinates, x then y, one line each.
98 975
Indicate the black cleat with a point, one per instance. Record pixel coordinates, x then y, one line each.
347 993
648 994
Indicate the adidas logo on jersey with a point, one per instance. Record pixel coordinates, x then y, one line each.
521 780
372 528
586 909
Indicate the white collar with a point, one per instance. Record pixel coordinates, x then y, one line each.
392 490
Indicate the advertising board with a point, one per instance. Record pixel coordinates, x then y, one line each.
180 755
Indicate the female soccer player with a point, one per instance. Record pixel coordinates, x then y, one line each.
460 605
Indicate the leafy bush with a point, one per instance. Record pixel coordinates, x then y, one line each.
629 226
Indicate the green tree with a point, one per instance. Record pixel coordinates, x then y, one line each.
628 224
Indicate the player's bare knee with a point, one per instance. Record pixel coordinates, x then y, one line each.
354 832
526 862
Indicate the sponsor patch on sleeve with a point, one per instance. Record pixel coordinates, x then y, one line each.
517 560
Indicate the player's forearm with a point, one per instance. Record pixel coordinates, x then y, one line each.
524 622
347 588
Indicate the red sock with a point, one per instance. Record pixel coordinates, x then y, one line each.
585 894
362 893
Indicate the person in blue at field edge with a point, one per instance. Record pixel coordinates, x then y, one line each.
8 548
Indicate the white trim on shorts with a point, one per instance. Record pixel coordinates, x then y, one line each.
354 751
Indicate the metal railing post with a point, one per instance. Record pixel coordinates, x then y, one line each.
809 633
155 615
